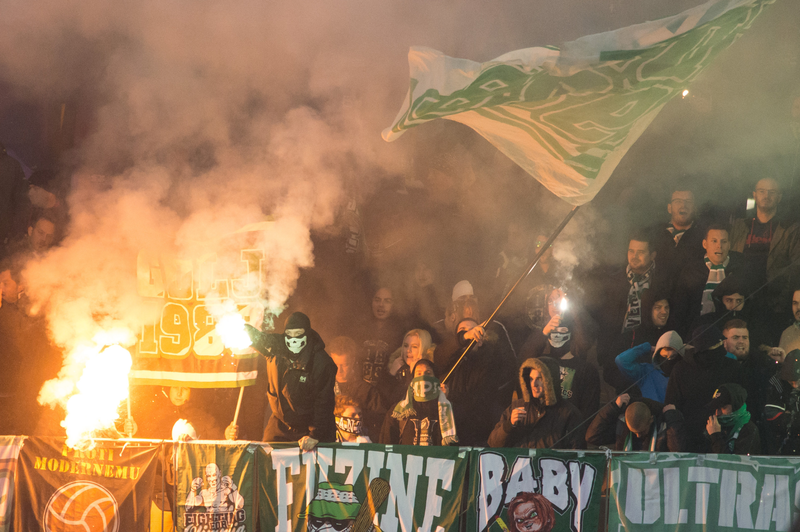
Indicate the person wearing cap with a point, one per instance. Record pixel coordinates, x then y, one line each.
782 409
643 425
425 416
300 384
539 418
702 369
729 426
651 376
333 508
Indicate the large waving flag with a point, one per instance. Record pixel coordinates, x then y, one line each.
568 116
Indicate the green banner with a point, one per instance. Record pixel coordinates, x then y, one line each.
397 488
215 487
529 489
666 491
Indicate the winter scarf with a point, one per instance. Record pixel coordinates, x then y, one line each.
733 423
716 274
638 282
426 388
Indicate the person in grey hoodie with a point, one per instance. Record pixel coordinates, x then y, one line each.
651 376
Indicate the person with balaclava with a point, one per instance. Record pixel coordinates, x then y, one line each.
642 425
481 385
539 418
349 419
580 381
425 416
782 409
649 366
703 368
729 426
301 377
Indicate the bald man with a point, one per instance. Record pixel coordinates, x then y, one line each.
648 426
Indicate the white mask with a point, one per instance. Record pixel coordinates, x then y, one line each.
295 345
559 336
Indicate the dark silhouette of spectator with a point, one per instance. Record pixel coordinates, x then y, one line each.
681 238
13 195
782 409
378 335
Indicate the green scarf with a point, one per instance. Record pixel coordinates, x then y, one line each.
426 388
734 422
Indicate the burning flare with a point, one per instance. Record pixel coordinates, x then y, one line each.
230 328
91 386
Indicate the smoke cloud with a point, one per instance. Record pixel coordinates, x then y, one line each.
204 117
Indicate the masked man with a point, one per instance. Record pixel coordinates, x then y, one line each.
651 376
301 378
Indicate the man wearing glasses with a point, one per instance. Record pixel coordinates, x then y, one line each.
681 239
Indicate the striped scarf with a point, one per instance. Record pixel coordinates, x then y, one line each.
638 282
405 409
716 274
676 233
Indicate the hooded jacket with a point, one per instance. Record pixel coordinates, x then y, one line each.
609 427
299 388
650 379
548 419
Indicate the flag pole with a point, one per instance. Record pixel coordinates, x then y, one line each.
525 274
238 405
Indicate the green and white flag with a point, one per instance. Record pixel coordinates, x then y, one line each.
567 116
688 492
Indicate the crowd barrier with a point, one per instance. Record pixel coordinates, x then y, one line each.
123 485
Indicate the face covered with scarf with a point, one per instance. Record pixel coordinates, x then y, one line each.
425 386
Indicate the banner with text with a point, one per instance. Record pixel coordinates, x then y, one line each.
181 347
395 488
215 490
108 487
529 489
691 493
9 452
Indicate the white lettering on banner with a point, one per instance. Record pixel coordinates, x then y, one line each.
774 503
437 469
403 493
374 464
283 460
633 498
521 479
727 498
349 458
673 514
704 477
581 484
554 483
492 467
564 484
745 499
309 462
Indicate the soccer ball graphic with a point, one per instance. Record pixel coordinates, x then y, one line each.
81 506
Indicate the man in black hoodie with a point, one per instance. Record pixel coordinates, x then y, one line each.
540 419
301 378
703 369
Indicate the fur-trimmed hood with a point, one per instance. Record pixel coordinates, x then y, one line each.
551 375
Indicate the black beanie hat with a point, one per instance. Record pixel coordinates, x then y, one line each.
298 320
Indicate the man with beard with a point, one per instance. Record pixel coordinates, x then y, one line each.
539 418
379 335
782 409
301 377
757 367
681 238
700 277
702 369
647 426
651 377
530 512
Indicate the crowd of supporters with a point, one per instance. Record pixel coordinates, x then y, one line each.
692 345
